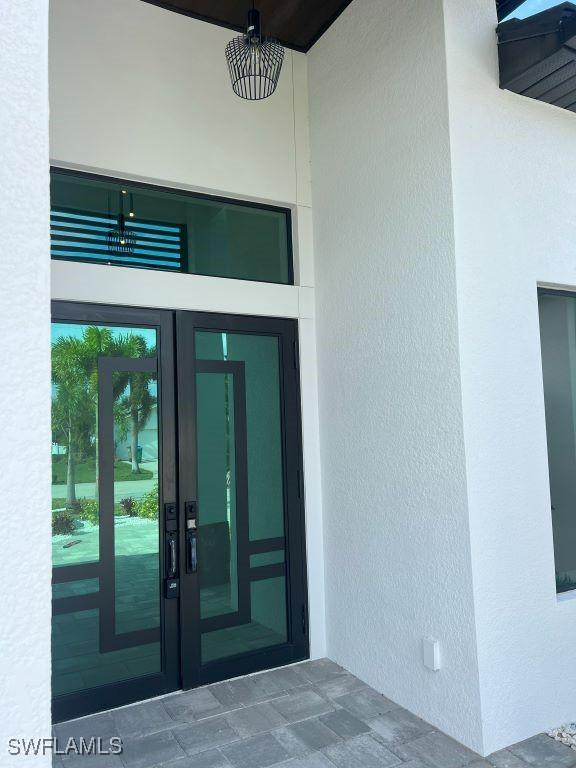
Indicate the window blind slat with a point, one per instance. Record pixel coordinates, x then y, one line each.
83 237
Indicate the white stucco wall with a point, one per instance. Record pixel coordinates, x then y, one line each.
515 218
25 565
143 93
393 470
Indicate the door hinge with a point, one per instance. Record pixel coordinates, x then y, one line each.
304 629
296 359
299 483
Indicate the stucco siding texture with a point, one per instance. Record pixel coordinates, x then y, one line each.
398 562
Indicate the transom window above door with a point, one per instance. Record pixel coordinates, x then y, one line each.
100 220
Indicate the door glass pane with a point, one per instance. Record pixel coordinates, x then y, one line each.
558 341
136 531
240 483
267 595
75 350
73 588
266 558
217 494
87 650
78 663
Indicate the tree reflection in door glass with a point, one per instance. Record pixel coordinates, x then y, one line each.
78 661
75 352
136 530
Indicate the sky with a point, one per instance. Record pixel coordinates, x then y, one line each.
60 330
75 330
531 7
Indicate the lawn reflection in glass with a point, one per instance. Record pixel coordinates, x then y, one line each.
76 348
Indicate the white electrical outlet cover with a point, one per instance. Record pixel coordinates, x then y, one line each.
431 650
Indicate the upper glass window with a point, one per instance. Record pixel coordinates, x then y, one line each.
107 221
558 341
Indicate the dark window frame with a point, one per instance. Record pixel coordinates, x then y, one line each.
544 291
286 211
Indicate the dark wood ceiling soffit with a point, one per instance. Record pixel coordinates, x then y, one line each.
297 24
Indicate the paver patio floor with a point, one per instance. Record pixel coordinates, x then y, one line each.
310 715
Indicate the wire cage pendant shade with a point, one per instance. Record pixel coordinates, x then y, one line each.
254 62
120 240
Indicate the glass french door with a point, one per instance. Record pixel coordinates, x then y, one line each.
241 488
178 546
114 639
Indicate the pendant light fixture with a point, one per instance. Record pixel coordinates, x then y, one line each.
254 61
122 241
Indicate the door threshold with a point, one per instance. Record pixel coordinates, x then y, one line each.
182 691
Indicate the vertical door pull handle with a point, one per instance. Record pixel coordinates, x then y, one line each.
192 548
191 515
173 566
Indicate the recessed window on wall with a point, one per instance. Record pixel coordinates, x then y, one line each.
537 50
558 342
99 220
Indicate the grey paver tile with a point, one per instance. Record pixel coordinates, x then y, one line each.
315 760
320 669
361 752
285 678
313 734
436 750
302 704
544 752
479 764
91 761
366 704
257 752
270 685
142 719
234 693
100 725
506 759
206 734
257 718
344 723
339 685
291 743
414 764
213 758
398 726
148 751
194 705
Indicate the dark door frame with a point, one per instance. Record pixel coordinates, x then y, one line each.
180 619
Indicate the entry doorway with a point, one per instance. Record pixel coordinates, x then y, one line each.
177 504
